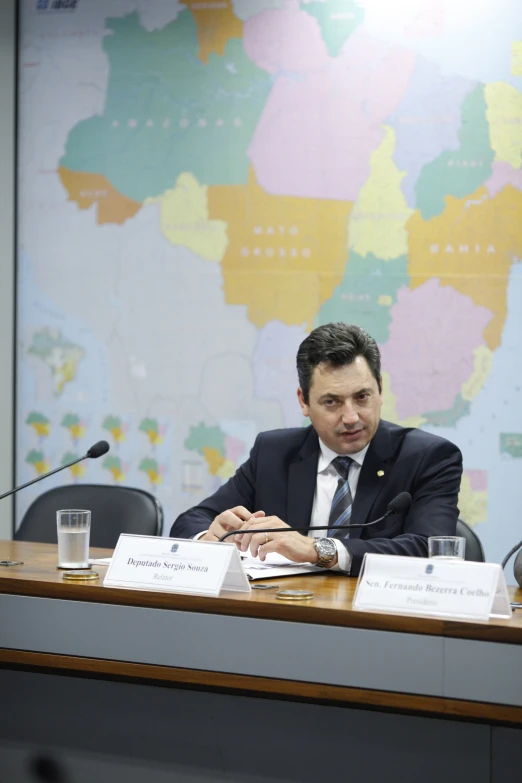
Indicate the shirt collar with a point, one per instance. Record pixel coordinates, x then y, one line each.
327 455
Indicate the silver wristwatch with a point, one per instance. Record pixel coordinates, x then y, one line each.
326 549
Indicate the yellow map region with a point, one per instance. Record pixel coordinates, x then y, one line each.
64 365
379 217
42 428
482 358
217 464
216 23
77 471
226 470
184 219
504 114
116 473
77 431
285 255
471 247
516 58
88 189
473 504
389 406
154 477
154 437
42 467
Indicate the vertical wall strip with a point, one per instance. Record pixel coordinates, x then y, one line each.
8 75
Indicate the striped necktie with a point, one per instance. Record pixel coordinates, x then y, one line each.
341 509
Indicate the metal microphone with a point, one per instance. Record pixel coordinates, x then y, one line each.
97 450
510 553
517 568
401 502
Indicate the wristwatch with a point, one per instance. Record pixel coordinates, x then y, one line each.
326 549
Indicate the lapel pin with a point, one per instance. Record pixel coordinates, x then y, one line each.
380 473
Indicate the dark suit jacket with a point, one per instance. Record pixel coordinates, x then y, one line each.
279 478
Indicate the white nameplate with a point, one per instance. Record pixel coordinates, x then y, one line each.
433 587
176 565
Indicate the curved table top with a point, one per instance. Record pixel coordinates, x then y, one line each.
331 604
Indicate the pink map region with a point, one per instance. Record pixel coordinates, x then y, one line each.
286 40
335 110
503 174
430 20
478 479
275 376
429 355
234 448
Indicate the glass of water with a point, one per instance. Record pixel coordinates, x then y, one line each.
447 547
74 527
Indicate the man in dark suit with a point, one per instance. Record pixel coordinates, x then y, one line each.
344 469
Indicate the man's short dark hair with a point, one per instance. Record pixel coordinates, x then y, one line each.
336 345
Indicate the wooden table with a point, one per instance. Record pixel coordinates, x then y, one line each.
320 652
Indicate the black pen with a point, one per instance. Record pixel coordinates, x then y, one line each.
264 587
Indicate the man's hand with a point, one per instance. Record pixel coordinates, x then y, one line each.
231 519
292 545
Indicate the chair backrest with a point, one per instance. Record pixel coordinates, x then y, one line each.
474 550
114 510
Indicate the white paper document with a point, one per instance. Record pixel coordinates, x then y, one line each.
276 566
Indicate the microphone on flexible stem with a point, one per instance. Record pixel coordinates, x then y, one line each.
400 503
98 450
517 568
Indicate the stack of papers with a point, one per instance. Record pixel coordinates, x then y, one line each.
275 566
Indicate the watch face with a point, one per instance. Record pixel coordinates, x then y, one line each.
325 548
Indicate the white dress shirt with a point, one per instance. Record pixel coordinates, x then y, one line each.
326 484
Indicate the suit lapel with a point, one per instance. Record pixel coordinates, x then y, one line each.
371 484
302 477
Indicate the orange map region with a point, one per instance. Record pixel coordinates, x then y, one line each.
285 255
471 247
87 189
216 23
214 459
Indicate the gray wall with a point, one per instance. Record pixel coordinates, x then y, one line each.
161 734
7 262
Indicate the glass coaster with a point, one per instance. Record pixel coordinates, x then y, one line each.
294 595
79 576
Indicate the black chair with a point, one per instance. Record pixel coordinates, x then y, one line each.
474 550
114 510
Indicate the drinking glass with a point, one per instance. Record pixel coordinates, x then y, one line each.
447 547
74 527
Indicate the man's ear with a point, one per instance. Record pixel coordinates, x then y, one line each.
302 403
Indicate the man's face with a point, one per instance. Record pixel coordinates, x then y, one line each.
344 405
